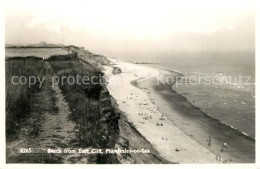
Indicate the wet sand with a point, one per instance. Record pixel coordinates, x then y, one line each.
170 141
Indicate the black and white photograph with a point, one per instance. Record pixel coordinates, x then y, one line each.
129 82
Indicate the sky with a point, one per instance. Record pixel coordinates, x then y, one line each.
117 27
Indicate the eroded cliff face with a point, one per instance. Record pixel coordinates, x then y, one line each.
90 58
109 114
108 127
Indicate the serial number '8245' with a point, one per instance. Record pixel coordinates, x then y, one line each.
25 150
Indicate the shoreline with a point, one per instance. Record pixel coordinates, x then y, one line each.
207 114
222 123
172 143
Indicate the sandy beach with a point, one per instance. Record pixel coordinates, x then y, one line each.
171 142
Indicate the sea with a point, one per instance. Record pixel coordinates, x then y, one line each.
220 83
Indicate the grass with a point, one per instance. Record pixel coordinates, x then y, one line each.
18 96
85 105
67 57
83 99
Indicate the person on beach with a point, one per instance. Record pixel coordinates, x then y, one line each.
209 141
159 124
225 145
161 118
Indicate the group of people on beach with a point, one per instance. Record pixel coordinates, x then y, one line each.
146 117
224 146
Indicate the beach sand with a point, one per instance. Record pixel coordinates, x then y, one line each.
171 142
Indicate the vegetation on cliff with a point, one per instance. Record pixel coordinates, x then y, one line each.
96 123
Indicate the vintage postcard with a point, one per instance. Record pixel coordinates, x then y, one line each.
129 82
